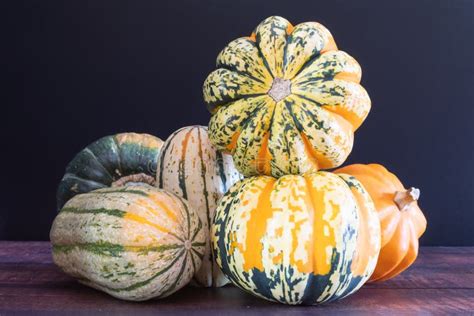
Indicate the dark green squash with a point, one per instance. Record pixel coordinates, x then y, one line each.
110 161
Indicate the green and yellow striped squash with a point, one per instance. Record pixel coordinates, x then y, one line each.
191 167
298 239
285 100
135 242
111 160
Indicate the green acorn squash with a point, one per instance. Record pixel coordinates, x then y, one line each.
110 161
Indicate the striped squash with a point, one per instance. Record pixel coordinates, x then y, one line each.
285 100
192 168
297 239
368 238
134 242
110 161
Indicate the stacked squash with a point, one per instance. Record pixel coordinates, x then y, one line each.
140 218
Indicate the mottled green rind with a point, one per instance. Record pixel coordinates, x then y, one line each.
105 161
111 212
113 250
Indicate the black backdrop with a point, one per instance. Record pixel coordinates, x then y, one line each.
75 71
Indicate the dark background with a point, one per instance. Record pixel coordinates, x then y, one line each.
74 71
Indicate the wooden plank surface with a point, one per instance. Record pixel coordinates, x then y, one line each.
440 282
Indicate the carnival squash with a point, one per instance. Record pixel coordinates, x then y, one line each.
402 221
134 242
110 161
191 167
285 100
297 239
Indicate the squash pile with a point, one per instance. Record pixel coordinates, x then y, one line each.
245 200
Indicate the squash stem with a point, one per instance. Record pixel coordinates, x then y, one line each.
404 198
134 178
280 89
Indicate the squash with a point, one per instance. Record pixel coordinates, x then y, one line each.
285 100
134 242
297 239
368 237
192 168
110 161
402 222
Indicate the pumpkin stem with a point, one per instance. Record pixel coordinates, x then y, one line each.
134 178
404 198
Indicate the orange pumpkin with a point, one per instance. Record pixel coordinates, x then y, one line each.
401 220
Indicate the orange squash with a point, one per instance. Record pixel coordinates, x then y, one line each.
401 220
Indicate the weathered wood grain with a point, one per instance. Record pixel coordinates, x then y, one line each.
440 282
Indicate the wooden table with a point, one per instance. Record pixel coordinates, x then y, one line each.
441 281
